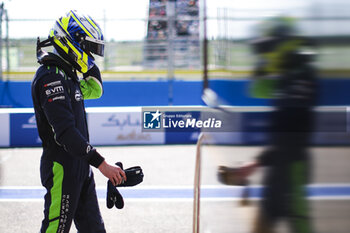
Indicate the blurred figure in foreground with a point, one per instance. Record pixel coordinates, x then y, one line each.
285 75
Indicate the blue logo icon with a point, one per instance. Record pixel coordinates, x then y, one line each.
152 120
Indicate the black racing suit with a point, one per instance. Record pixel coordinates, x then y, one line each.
67 155
287 160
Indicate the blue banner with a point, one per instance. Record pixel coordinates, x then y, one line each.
23 130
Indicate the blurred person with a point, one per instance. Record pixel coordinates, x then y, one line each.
285 75
58 96
292 86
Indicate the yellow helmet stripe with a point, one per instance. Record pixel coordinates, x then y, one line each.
82 58
61 45
81 25
95 26
64 23
74 49
84 68
58 42
83 63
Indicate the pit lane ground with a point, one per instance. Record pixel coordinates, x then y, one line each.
163 203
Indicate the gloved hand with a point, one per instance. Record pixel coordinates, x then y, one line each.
236 176
134 175
91 84
231 176
94 72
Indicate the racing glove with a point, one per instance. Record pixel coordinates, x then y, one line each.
91 84
134 176
114 198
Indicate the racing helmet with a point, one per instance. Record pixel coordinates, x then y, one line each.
75 37
272 32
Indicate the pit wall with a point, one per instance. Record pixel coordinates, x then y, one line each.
116 118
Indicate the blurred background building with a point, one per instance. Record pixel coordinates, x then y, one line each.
144 41
172 35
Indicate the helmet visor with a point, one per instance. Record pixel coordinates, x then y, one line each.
93 45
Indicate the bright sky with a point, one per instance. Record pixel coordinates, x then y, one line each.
128 9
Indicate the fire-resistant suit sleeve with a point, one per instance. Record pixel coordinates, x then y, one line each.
55 101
